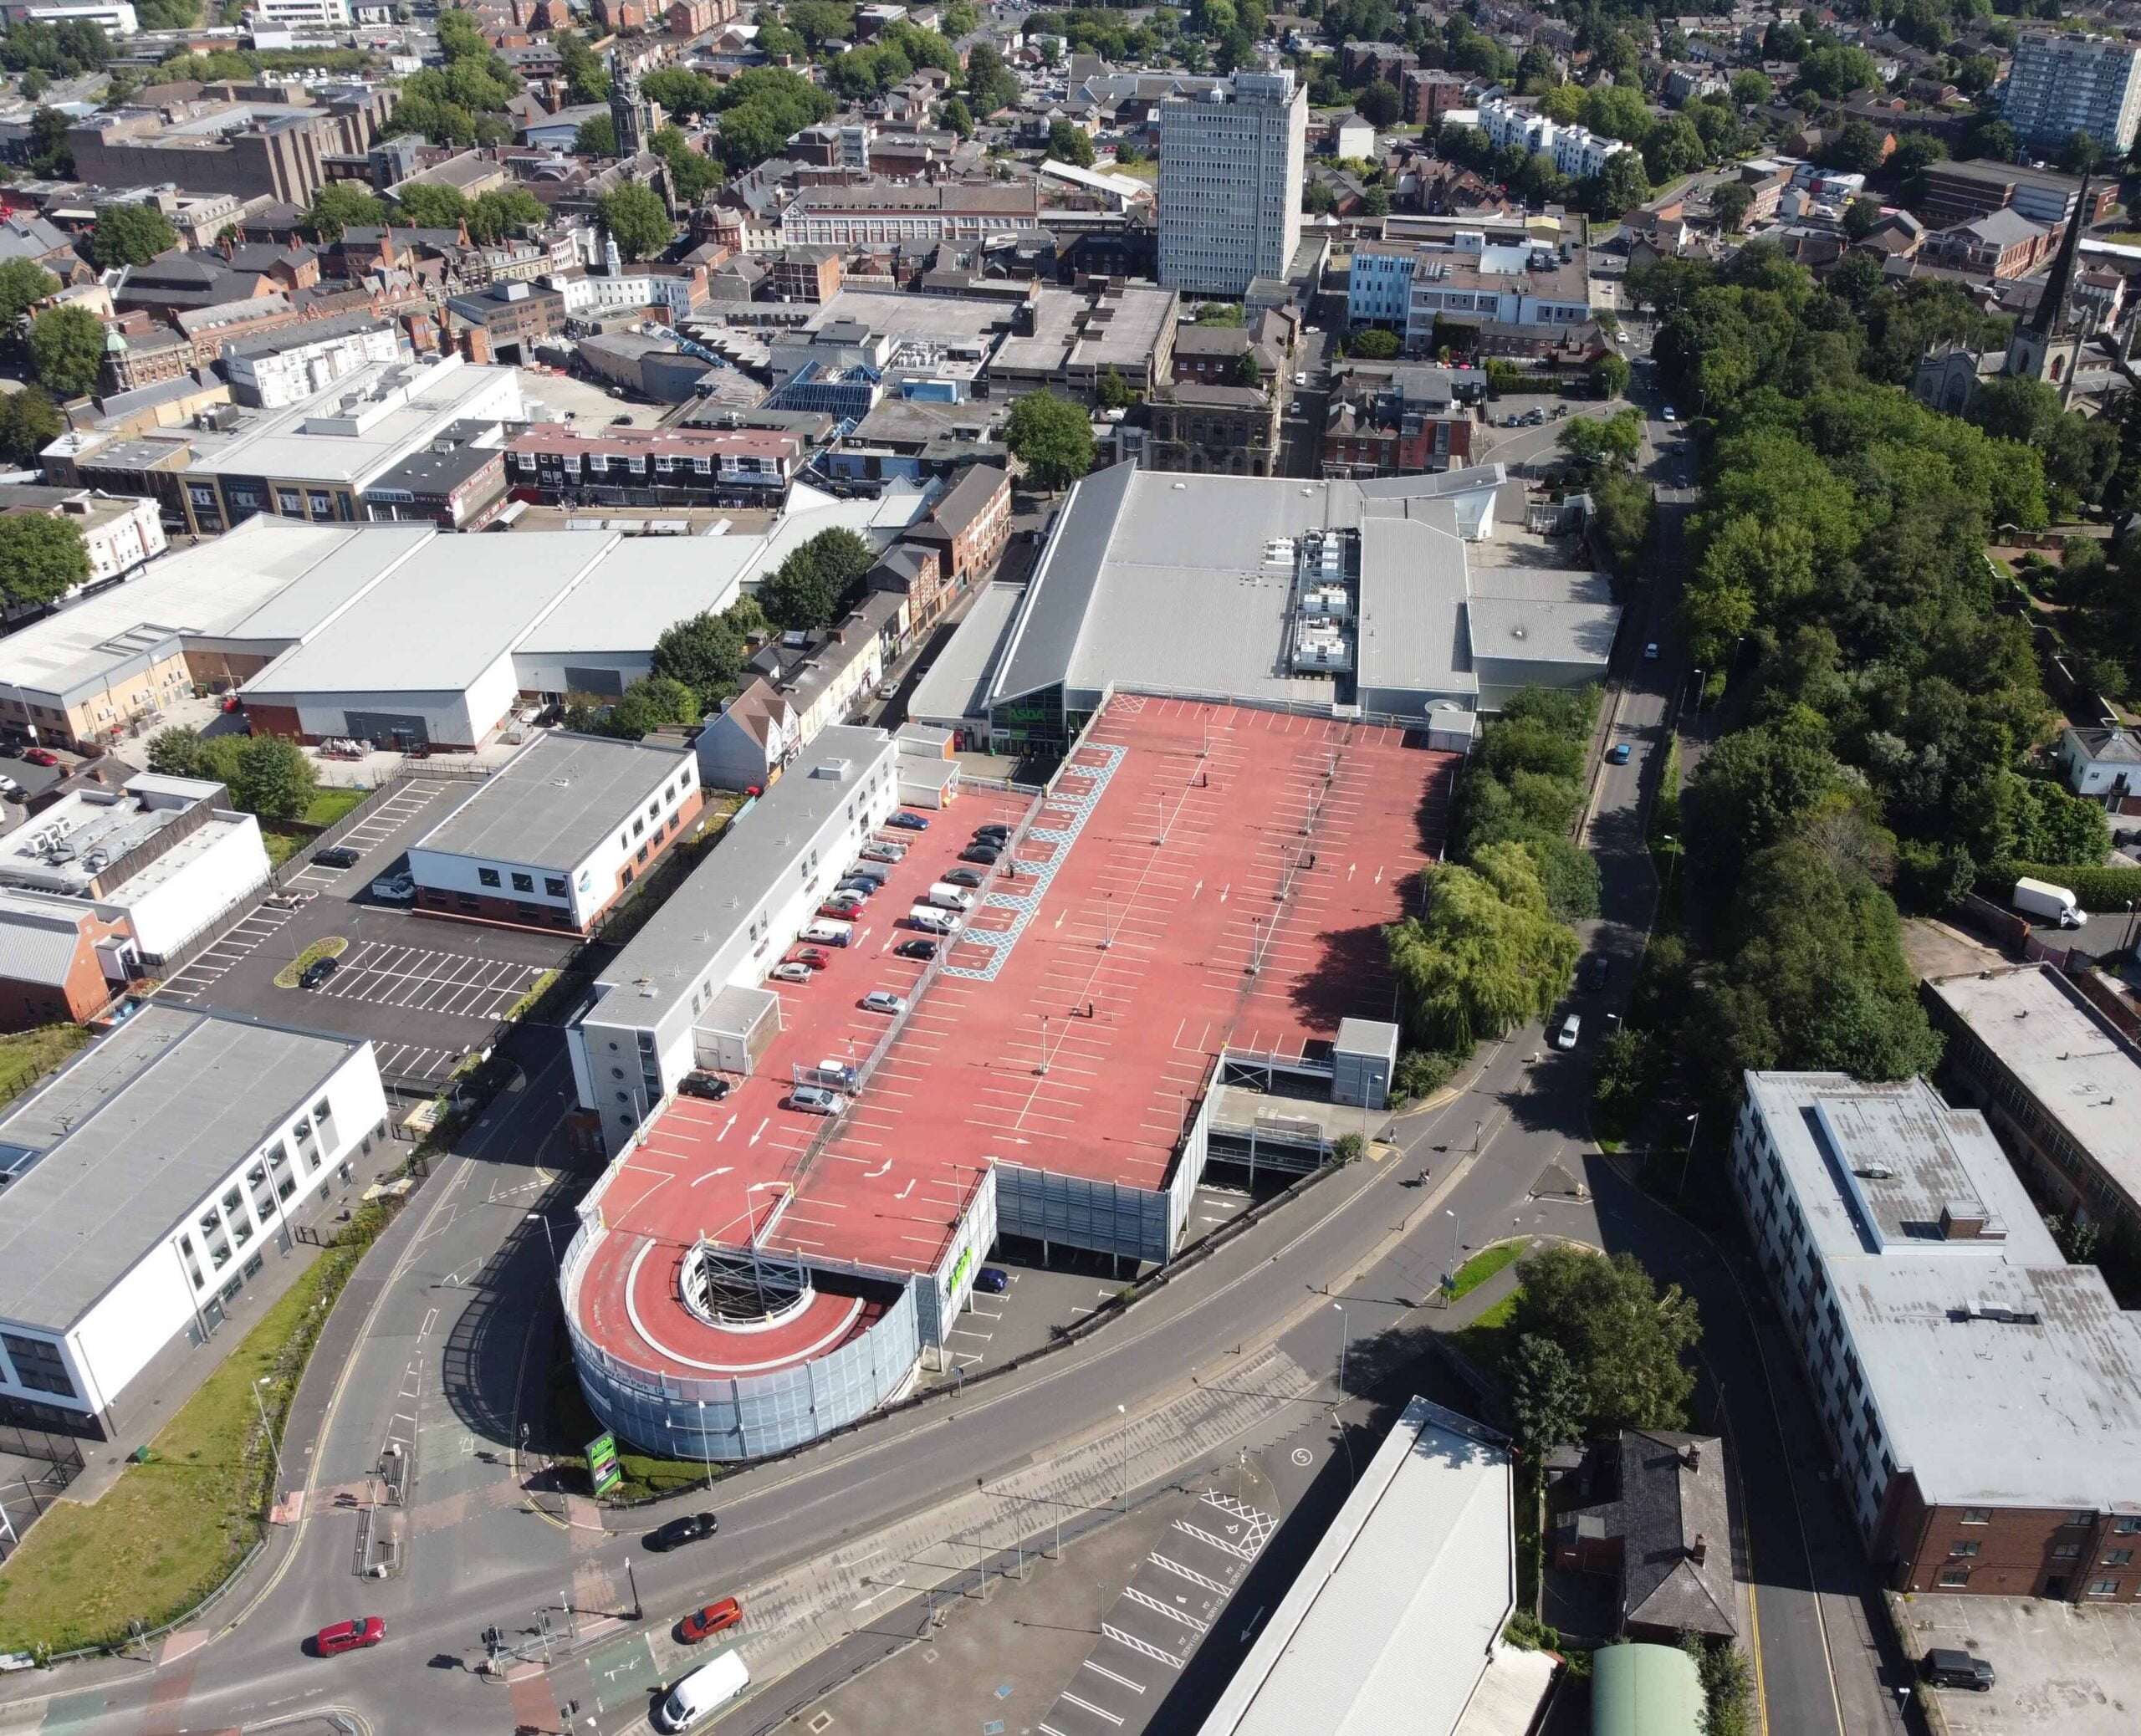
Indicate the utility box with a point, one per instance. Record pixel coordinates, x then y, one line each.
1362 1061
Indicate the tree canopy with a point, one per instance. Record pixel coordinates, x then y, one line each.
341 205
41 558
1051 437
67 350
817 581
634 215
130 235
1624 1341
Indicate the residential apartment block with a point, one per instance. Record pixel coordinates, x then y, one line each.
1576 151
2060 84
1230 180
1476 271
653 466
1982 1397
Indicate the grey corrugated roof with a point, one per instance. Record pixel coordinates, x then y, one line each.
555 801
38 937
956 686
135 1131
1062 587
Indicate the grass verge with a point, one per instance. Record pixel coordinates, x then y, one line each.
1483 1265
330 804
172 1528
27 1056
1489 1340
328 946
281 842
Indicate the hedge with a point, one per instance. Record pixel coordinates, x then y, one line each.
2096 888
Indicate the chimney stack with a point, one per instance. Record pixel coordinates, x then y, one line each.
1698 1550
1694 1455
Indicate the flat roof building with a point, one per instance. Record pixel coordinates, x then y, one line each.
1982 1396
2058 1081
1395 1622
557 834
145 1185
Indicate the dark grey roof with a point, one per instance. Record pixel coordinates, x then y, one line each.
966 500
552 804
312 331
1665 1505
135 1131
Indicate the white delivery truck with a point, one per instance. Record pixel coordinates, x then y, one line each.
2048 903
705 1691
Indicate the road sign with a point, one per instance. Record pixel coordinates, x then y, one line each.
603 1470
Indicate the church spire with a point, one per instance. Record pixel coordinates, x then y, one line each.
2045 320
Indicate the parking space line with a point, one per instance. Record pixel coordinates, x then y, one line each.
1072 1699
1136 1687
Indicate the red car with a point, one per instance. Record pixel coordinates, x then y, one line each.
349 1636
710 1620
39 756
815 956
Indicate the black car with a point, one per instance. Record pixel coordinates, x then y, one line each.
1596 969
917 949
679 1532
994 829
984 853
338 855
709 1085
317 973
964 877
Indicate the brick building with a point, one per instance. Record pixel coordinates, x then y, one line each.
52 954
1407 421
1981 1395
653 466
808 274
1222 429
968 527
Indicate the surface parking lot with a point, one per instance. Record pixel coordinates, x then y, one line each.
430 981
2075 1669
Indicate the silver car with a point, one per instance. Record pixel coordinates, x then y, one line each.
816 1100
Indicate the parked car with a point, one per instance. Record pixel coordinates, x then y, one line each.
1650 652
964 877
686 1528
395 889
1568 1031
338 855
1669 414
991 1280
842 906
906 822
860 884
353 1635
710 1086
883 1000
931 921
10 789
994 832
1619 754
814 958
881 850
1946 1667
791 972
317 973
39 756
1596 969
985 854
922 949
715 1618
816 1100
827 932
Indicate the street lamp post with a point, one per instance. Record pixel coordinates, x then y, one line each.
2126 930
548 1240
1456 1248
266 1428
632 1581
1344 1337
1692 1120
706 1448
1123 1444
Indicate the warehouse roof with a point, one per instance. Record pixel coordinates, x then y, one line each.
133 1132
957 684
555 801
1412 626
1420 1563
40 934
440 619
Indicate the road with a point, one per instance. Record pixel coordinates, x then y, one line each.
444 1362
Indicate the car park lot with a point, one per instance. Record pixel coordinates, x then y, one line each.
424 989
2072 1670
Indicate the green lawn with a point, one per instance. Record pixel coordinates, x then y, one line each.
568 1426
1483 1265
329 805
27 1056
1489 1340
168 1532
281 843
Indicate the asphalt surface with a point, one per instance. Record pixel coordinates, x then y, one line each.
440 1354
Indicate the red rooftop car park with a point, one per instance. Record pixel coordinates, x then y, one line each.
352 1636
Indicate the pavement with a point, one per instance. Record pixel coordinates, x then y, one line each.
2064 1668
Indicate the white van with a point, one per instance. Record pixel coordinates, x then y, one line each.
947 897
827 933
706 1690
930 920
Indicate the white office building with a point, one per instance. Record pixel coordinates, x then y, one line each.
300 14
116 17
2061 85
1576 151
145 1185
1230 183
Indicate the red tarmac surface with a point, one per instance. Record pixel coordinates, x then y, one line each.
1150 920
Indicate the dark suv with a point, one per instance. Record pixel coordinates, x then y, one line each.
709 1085
1948 1667
338 855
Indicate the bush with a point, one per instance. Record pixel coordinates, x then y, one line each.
1421 1073
2096 888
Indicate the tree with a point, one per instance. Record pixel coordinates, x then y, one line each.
681 92
649 705
340 205
990 85
815 582
1070 143
1611 440
1730 203
1373 344
1247 373
130 235
1486 956
1751 89
953 114
67 348
1114 392
274 779
1375 202
2081 155
1623 1340
23 284
1222 313
41 558
498 213
1379 104
692 174
587 79
1858 149
1859 218
597 137
633 214
1051 437
30 423
1547 1398
1610 375
424 205
704 653
1621 186
175 751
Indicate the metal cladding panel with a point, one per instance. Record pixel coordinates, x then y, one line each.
1104 1216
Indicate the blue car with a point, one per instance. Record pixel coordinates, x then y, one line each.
1620 754
992 1281
908 822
